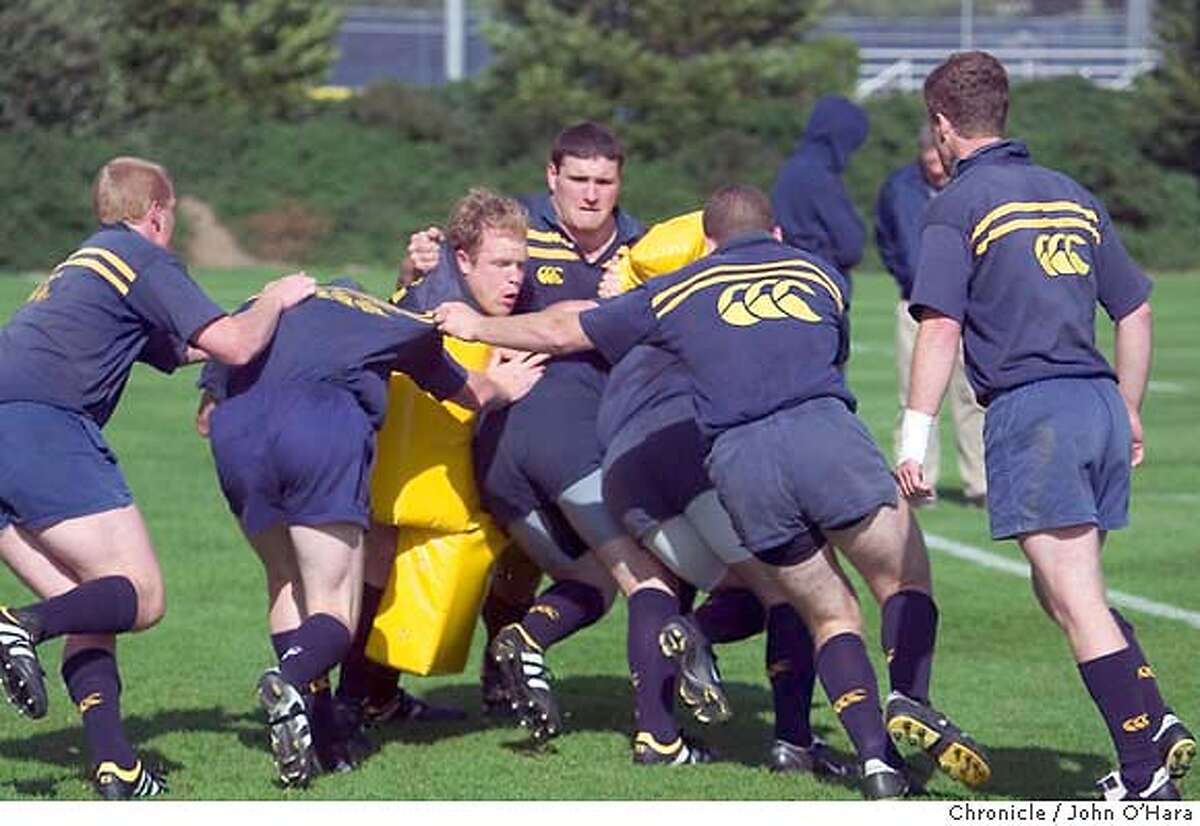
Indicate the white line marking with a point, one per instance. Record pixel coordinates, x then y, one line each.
1171 387
996 562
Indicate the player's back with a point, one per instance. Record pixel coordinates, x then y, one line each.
1040 251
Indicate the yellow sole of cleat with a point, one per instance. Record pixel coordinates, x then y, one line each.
1180 758
958 761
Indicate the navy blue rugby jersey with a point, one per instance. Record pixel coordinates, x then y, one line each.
443 283
115 300
349 338
1021 254
759 325
645 390
557 271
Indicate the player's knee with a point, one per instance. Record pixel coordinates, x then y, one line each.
152 605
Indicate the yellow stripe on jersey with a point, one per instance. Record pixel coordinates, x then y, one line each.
717 277
760 269
1031 206
112 258
1036 223
98 268
546 237
550 254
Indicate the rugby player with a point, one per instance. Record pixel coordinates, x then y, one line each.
293 436
788 457
482 262
538 462
655 483
1014 258
68 526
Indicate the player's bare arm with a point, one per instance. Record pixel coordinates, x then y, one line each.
237 339
934 355
555 330
1132 346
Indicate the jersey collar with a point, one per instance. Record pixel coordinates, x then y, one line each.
1006 151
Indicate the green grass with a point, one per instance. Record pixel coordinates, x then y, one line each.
1002 669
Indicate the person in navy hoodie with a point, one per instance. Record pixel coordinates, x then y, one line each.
809 199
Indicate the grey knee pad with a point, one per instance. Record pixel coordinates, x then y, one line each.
711 521
677 544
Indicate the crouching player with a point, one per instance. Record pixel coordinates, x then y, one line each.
293 439
788 457
656 485
68 526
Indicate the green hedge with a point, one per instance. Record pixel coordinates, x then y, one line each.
346 185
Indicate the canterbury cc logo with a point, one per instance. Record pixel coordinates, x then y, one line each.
743 305
549 275
848 699
1056 254
1145 672
550 612
1142 721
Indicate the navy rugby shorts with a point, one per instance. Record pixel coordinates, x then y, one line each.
1058 454
787 477
54 465
296 455
529 453
653 472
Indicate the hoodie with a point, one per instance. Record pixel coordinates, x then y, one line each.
810 201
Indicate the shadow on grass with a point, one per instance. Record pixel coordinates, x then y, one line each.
64 748
590 703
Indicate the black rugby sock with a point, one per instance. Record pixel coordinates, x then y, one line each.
316 646
730 615
361 679
793 674
909 619
1156 706
99 606
653 674
849 682
1113 683
561 610
94 685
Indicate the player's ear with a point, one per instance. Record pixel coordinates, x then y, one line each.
465 265
551 176
777 233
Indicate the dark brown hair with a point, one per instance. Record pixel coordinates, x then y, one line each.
736 210
587 140
971 90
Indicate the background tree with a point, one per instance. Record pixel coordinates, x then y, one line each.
666 74
53 71
1170 95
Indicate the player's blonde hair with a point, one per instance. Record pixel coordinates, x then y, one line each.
126 187
482 210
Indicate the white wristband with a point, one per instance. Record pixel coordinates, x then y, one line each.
915 428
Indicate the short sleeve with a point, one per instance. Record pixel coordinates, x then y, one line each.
166 296
1121 286
163 352
616 326
943 272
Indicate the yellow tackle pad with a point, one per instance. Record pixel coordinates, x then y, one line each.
665 248
423 475
431 605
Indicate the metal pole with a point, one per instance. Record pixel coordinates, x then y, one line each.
966 25
1137 24
456 40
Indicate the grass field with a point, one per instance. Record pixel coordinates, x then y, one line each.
1002 670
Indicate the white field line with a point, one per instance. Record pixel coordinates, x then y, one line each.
1170 387
986 559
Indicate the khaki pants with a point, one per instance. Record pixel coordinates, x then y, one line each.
967 414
